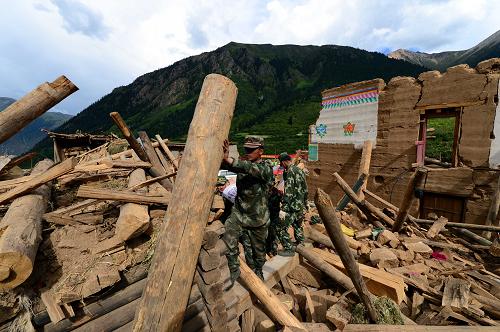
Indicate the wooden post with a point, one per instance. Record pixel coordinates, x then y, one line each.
332 225
31 106
167 152
364 205
408 198
120 123
22 232
157 168
179 240
491 219
323 266
276 309
364 165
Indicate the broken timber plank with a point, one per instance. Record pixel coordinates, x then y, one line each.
437 227
180 238
121 196
19 114
39 180
456 293
379 282
157 169
458 225
409 198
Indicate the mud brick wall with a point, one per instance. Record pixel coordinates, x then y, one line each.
401 101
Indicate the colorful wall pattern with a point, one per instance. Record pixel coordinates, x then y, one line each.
349 118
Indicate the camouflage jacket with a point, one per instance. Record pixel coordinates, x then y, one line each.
295 197
254 181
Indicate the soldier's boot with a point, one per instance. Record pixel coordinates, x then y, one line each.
234 275
287 252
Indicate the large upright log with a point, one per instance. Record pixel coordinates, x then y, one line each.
21 232
179 241
31 106
408 198
332 225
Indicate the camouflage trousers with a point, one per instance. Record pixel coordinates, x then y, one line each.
272 234
295 220
253 240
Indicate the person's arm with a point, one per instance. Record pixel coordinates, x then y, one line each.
260 171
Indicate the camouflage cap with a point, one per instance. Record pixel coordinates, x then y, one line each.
284 156
221 180
253 142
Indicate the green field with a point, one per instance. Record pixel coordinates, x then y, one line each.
440 147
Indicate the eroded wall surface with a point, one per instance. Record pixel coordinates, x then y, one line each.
473 90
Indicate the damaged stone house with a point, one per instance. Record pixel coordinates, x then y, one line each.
398 118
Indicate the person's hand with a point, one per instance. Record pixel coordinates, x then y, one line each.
282 215
225 149
225 152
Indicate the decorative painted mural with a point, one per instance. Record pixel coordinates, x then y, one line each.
347 118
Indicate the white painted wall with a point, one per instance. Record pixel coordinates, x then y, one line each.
495 143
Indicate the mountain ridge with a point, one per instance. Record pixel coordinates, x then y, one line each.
488 48
278 91
30 135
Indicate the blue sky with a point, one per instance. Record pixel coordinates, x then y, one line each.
103 44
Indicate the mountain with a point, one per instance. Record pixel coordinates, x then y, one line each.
26 139
488 48
278 91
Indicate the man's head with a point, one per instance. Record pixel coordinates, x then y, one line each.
222 183
285 160
254 147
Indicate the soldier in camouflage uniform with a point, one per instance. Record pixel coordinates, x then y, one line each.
250 212
293 205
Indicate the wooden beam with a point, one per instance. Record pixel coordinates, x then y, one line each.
120 196
167 152
22 112
381 200
364 205
337 276
179 241
379 282
273 305
157 169
408 198
120 123
151 181
458 225
273 269
41 178
332 225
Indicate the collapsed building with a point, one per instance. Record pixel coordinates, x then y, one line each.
395 118
102 252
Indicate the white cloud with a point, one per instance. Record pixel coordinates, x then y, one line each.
104 44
